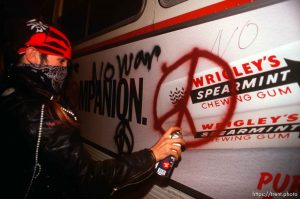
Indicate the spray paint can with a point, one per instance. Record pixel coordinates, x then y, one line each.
164 167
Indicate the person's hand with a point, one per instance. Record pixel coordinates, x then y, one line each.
167 146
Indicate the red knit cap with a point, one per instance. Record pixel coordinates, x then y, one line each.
46 39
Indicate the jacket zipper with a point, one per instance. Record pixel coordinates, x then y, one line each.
129 184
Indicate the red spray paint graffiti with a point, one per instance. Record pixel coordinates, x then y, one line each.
180 108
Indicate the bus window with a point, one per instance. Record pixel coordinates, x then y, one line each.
111 13
169 3
74 17
81 18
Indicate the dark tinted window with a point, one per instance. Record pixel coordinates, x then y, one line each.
170 3
105 14
82 18
74 17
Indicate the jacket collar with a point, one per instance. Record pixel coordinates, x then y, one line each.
31 84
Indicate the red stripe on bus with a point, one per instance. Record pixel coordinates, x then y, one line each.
211 9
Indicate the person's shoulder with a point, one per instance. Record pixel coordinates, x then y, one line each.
16 99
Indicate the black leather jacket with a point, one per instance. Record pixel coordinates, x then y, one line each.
67 170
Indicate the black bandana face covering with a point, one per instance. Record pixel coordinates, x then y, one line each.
52 76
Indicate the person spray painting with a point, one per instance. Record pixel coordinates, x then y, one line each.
44 154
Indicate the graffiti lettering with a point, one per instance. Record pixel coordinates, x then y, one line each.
118 98
125 64
124 136
247 36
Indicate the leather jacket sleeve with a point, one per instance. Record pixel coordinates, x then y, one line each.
63 157
63 146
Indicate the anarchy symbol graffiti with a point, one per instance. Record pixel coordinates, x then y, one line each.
180 108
